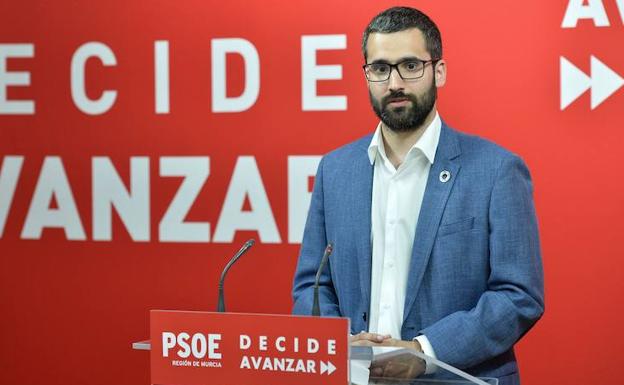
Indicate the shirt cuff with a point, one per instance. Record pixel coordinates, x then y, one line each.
427 350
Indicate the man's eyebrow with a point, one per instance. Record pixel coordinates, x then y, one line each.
403 59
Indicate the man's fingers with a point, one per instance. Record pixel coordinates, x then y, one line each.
401 344
377 368
388 342
402 366
373 337
377 371
397 369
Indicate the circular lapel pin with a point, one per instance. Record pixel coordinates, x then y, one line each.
445 176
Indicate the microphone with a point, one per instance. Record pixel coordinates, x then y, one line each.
316 308
243 250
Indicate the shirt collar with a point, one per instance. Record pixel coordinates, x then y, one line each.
427 143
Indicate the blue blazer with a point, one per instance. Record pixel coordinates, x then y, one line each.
475 283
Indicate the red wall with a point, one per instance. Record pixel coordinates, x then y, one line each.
71 308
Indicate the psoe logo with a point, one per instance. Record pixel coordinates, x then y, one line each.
603 82
200 346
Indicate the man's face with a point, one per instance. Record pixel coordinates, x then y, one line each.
403 105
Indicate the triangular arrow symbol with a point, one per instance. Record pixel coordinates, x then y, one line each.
574 82
604 81
330 368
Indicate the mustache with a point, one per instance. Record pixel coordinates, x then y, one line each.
398 95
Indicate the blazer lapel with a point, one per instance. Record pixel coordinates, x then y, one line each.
434 202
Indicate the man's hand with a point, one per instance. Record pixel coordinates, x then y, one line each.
368 339
405 366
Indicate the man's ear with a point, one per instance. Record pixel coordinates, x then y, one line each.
439 72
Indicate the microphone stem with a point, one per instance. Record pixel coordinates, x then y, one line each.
316 307
221 301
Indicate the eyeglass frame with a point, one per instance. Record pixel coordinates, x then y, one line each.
396 68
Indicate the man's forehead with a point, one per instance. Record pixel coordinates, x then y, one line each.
396 45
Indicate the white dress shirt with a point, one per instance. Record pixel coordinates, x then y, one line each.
397 198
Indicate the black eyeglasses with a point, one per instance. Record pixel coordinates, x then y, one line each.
408 69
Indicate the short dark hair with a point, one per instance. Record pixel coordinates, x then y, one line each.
398 19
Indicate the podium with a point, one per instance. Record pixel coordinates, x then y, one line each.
200 348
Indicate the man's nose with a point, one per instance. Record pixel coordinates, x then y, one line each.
395 81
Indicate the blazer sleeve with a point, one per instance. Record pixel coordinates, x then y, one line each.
514 299
312 248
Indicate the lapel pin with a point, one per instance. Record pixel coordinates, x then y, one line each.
445 176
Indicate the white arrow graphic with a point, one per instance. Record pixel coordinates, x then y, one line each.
329 368
574 82
604 82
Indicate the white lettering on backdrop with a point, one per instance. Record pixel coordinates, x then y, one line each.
130 200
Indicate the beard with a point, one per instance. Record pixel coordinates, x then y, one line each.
405 118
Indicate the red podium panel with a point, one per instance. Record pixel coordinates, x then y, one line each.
198 348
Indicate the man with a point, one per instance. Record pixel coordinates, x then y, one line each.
434 232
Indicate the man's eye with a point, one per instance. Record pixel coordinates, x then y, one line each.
379 68
412 66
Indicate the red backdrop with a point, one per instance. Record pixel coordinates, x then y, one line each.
72 307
